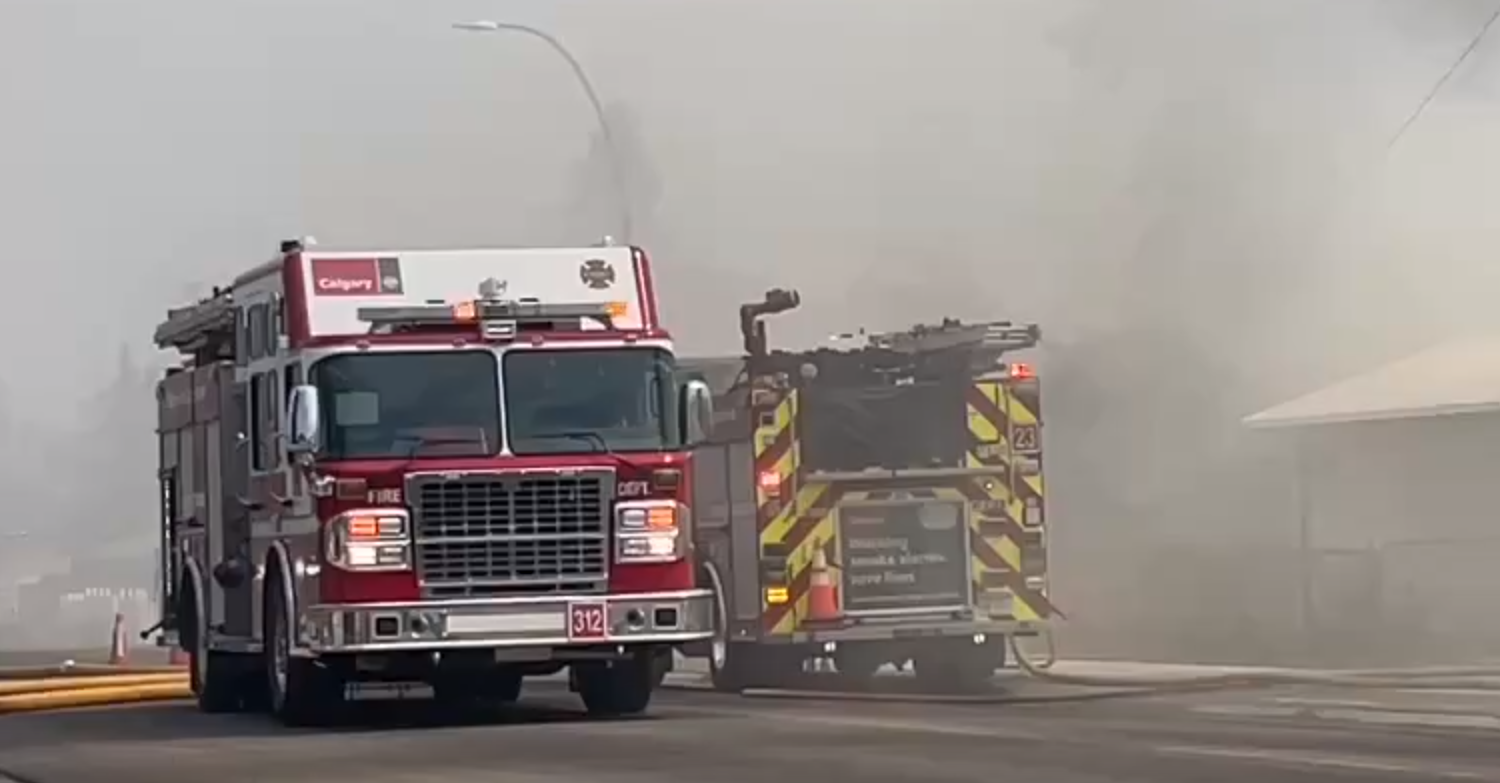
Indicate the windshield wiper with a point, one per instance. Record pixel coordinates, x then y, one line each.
592 438
419 442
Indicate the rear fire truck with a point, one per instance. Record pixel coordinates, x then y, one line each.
455 467
881 505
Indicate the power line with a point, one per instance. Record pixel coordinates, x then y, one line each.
1438 86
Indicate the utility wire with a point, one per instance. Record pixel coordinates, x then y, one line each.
1438 87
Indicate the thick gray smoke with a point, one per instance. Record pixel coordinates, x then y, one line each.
1193 197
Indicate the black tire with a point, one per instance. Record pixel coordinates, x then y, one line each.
958 665
729 669
611 689
215 678
663 662
301 691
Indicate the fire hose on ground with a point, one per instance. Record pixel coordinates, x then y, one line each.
56 684
1435 677
100 696
98 688
66 687
75 670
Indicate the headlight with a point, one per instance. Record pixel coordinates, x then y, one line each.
650 531
369 540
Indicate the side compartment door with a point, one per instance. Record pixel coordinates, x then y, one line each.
180 533
744 514
231 470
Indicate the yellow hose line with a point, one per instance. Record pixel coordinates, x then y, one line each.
80 670
21 687
94 697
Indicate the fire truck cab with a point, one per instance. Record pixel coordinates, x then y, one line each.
873 505
453 467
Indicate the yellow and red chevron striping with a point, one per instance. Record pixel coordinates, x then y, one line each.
776 453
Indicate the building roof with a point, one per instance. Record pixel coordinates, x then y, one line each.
1462 376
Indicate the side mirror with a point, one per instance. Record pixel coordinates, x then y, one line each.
303 413
697 411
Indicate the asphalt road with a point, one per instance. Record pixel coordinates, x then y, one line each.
1285 735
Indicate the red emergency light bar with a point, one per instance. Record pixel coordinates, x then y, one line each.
495 319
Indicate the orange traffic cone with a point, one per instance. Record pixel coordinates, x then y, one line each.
119 648
822 593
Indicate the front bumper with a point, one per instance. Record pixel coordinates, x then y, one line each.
550 621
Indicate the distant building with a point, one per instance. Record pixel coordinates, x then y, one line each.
1398 472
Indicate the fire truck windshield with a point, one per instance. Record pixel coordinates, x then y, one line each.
409 404
610 399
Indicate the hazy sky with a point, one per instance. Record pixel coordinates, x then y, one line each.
1214 166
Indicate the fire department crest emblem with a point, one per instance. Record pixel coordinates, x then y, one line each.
492 288
597 273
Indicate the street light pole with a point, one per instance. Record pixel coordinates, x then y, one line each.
617 174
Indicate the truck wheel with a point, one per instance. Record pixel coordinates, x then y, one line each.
662 664
616 688
957 664
214 677
730 665
301 692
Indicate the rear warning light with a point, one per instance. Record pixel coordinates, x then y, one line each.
1022 371
770 483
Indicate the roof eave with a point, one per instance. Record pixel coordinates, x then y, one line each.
1269 419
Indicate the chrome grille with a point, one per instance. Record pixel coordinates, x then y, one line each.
481 534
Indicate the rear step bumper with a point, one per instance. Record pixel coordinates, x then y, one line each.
912 629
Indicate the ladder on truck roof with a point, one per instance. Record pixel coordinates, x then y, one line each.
951 333
206 326
996 336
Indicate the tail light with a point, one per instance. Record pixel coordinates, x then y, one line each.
369 540
770 483
650 531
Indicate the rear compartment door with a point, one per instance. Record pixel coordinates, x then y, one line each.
903 553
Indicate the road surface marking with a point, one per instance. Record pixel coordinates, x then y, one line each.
1485 692
1249 710
1370 705
1297 758
1445 720
886 724
1357 712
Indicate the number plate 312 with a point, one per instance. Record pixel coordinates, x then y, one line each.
587 621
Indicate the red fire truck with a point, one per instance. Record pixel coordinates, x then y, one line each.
457 467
